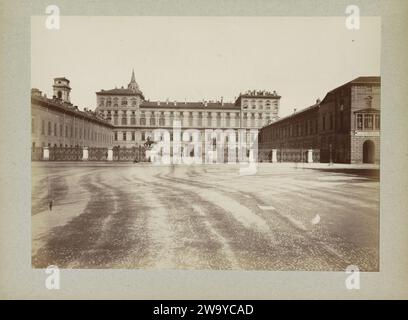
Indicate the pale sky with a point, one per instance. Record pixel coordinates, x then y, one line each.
197 58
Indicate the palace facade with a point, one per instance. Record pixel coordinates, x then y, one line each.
344 126
134 118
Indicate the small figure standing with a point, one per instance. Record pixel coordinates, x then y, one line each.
50 205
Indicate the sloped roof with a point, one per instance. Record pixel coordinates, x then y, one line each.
64 107
120 92
361 80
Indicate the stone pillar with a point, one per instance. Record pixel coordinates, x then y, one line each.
46 153
214 119
195 119
233 120
110 154
309 156
176 117
274 155
85 154
256 120
128 116
204 119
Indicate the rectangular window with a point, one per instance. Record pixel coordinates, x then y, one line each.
133 136
359 122
61 130
124 120
124 136
55 129
368 122
377 122
331 121
115 136
161 121
324 123
133 120
143 136
49 128
32 125
66 131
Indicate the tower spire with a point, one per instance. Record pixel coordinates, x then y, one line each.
133 84
133 80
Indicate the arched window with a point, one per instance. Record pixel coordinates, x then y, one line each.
59 93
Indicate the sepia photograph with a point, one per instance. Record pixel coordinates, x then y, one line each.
205 143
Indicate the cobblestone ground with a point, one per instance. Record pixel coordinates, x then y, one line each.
284 217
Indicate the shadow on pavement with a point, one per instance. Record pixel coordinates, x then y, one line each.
373 174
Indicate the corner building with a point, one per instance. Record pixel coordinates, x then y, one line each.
56 122
344 126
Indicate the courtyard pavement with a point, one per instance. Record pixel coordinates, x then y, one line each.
284 217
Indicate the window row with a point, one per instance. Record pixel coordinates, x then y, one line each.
367 121
115 102
218 120
49 128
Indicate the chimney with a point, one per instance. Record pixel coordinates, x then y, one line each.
222 101
167 101
294 110
175 102
317 101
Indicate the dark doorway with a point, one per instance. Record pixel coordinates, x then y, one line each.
368 152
